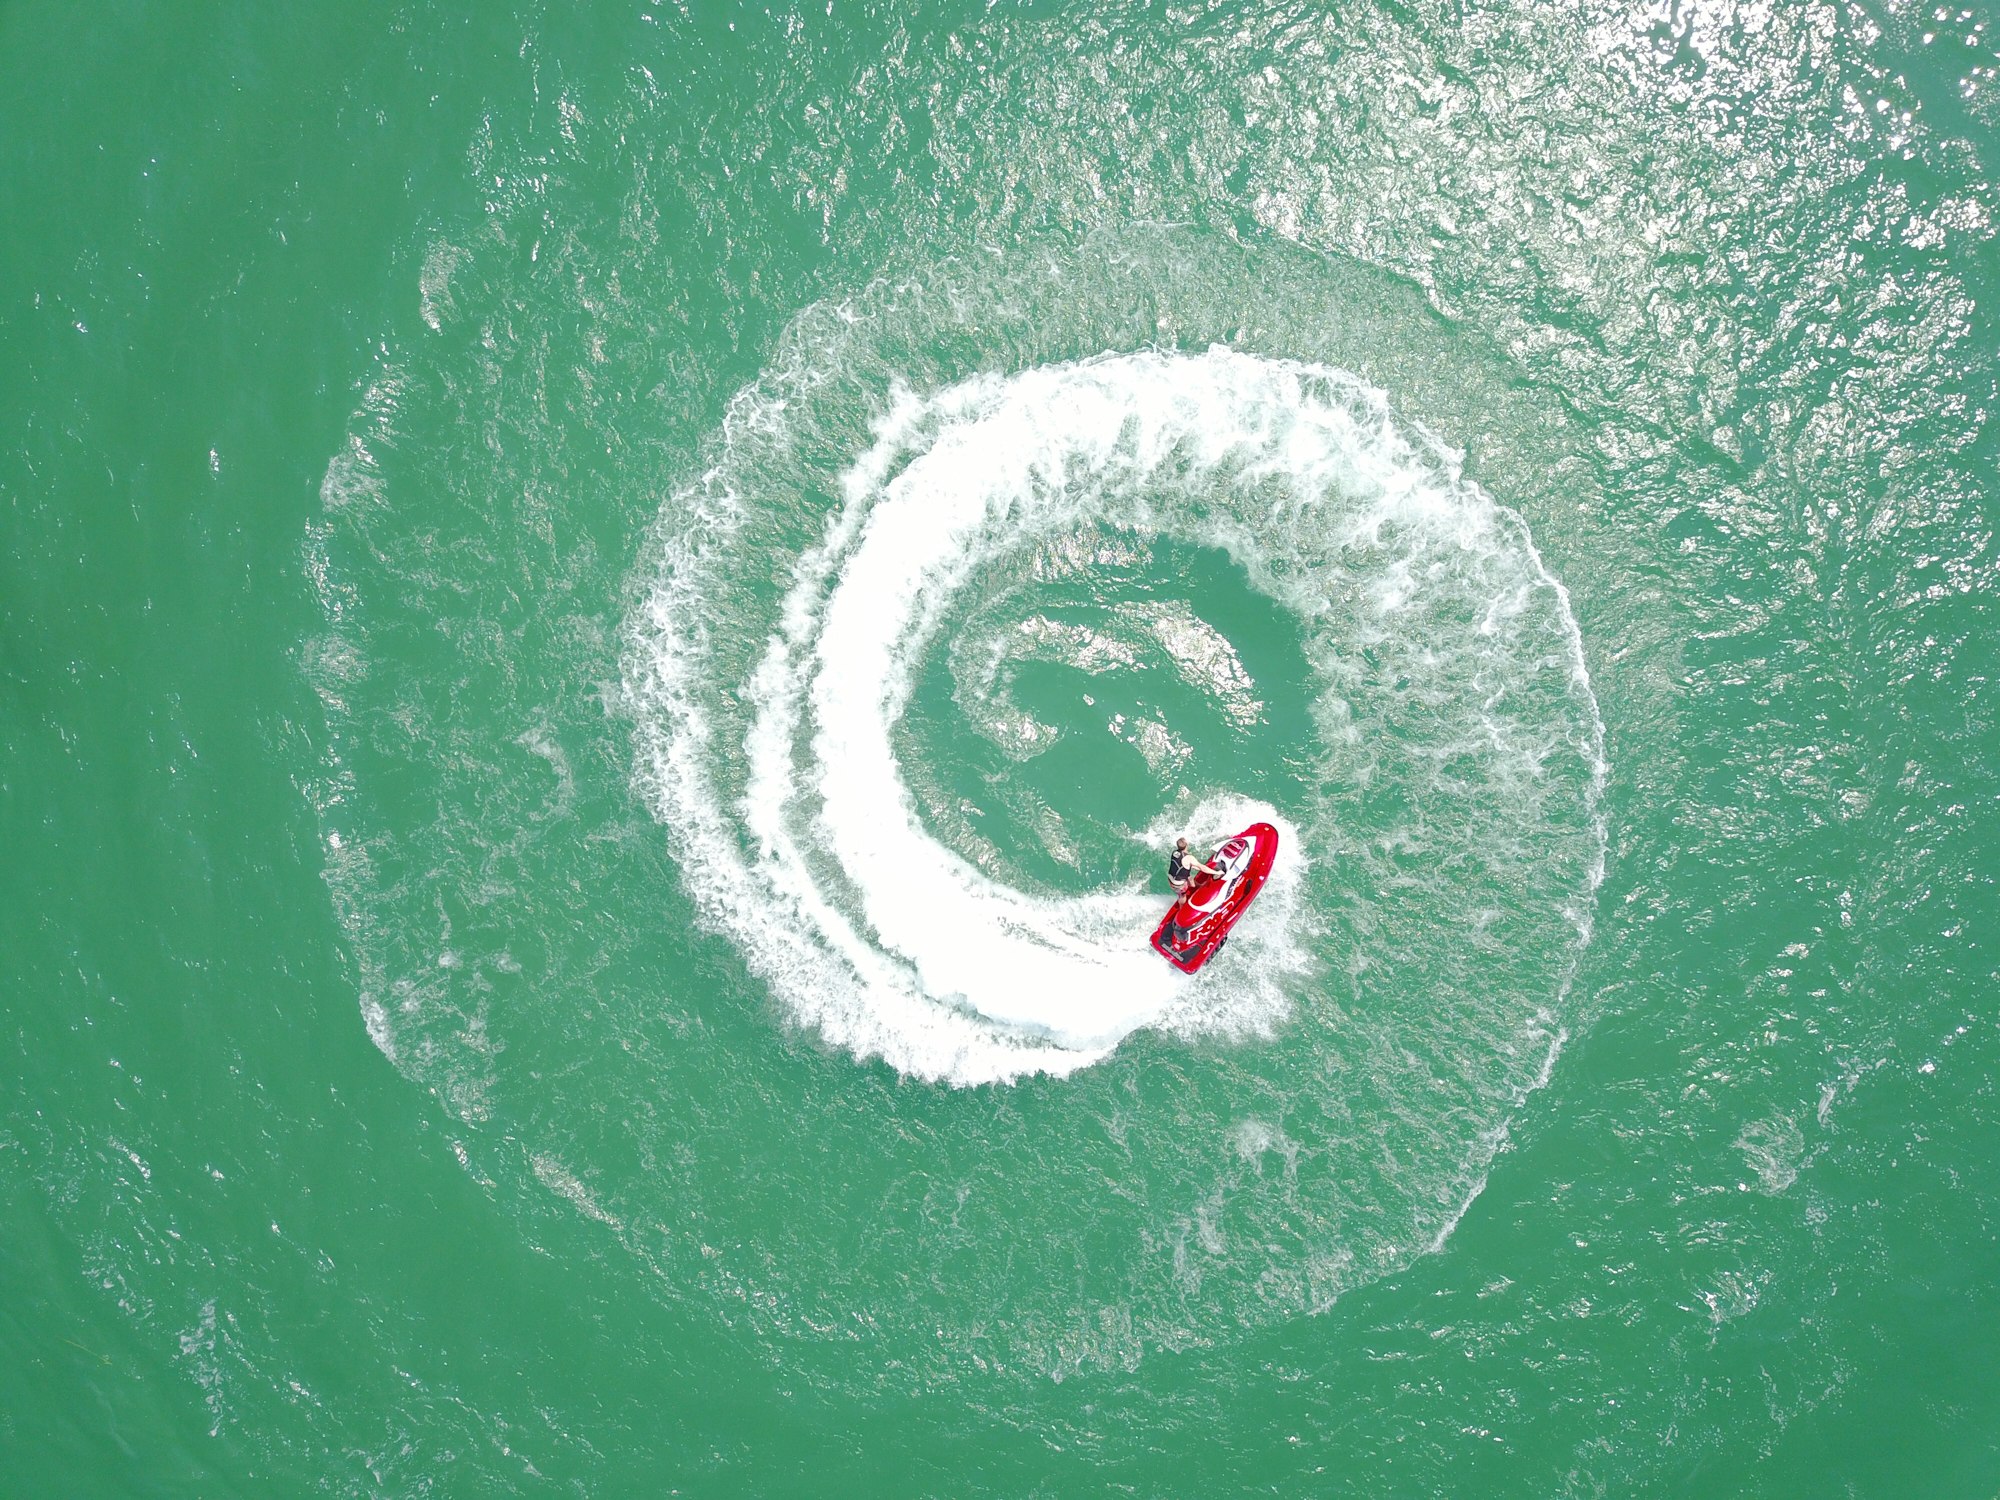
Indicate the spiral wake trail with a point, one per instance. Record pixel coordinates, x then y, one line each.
1404 584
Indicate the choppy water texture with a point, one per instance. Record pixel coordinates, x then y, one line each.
608 616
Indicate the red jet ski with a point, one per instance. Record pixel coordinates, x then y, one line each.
1198 924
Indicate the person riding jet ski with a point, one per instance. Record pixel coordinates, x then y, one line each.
1182 867
1210 897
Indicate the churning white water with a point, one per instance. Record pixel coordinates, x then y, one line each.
768 741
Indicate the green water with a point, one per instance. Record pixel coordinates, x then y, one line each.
476 602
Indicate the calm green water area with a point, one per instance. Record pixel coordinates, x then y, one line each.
606 617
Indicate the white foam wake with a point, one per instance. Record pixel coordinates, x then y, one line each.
777 772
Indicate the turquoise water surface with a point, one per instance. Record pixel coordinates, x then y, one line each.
609 612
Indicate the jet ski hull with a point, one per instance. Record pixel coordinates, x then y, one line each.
1198 924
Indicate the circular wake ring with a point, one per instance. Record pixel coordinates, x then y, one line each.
768 735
